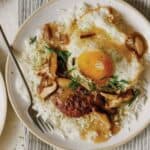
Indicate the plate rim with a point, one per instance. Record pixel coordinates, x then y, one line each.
4 101
9 93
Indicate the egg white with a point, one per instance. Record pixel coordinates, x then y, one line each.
124 69
98 19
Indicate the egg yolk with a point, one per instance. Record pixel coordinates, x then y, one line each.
95 64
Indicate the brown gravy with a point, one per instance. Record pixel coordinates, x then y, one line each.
99 124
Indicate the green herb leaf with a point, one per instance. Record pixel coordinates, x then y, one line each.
124 81
49 49
33 39
62 55
92 86
136 93
70 70
114 84
74 84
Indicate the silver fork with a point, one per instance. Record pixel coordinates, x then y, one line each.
44 126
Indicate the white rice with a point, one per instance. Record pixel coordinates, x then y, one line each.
65 126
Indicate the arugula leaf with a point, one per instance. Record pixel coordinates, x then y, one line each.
32 40
74 84
136 93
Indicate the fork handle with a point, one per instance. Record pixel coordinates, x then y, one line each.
10 50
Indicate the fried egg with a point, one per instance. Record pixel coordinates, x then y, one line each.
100 64
102 54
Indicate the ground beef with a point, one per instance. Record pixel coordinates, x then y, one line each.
79 103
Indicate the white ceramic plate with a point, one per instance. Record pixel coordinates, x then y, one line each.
3 104
20 105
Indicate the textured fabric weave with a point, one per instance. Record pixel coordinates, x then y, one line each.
141 142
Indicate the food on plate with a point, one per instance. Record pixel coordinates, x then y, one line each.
84 69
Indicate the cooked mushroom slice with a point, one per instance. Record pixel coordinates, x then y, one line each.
139 45
87 35
115 127
114 101
63 82
54 36
113 16
53 64
64 39
44 69
47 91
47 33
136 43
100 103
50 67
45 82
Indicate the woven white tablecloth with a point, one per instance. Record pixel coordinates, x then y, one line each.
141 142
